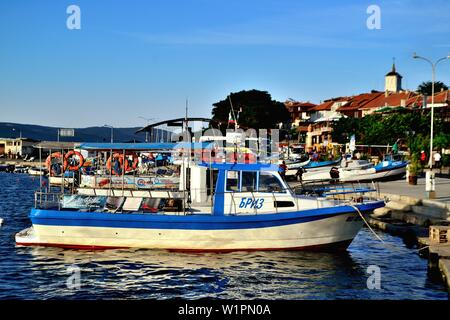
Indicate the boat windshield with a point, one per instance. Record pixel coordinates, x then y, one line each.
252 181
269 183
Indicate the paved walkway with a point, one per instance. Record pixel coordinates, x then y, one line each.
401 187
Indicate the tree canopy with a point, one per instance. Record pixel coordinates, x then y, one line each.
387 128
259 110
425 87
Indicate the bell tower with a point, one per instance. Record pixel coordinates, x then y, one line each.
393 80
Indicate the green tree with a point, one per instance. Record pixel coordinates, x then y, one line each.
259 110
425 87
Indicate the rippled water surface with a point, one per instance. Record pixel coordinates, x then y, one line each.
42 273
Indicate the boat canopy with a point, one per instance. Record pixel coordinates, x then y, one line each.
56 145
146 146
241 166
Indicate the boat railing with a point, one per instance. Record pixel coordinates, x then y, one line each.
340 193
358 191
46 200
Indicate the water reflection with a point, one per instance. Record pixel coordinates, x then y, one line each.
161 274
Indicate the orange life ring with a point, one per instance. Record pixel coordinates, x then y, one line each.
119 157
67 157
48 161
134 164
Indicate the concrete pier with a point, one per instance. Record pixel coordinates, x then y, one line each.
409 214
402 188
22 163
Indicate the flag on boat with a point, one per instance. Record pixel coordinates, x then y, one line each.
231 119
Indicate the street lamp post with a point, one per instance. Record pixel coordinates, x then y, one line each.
112 132
148 122
433 69
429 185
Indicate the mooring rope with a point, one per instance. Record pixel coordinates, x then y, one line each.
376 235
367 224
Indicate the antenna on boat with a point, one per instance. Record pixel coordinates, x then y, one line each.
233 114
187 175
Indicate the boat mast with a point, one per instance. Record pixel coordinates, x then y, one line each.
187 171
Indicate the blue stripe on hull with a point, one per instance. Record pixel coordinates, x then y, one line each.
188 222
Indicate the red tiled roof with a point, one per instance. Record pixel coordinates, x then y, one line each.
440 97
359 101
327 104
303 105
323 106
393 99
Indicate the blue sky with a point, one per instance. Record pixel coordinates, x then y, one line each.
144 58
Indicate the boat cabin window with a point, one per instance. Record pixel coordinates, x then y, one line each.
269 183
249 181
232 181
252 181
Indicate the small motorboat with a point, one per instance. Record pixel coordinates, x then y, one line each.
37 171
320 165
21 169
385 170
7 168
294 166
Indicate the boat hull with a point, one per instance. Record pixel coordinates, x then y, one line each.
282 231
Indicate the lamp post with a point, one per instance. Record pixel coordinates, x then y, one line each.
429 183
20 132
112 132
148 122
433 70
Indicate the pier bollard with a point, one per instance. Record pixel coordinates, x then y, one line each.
430 187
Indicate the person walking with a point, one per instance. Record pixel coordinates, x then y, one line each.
423 158
437 160
283 168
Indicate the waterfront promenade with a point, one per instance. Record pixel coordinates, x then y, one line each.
401 187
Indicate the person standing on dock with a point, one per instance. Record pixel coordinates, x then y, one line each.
283 168
423 158
437 160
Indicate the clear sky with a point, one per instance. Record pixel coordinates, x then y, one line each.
144 58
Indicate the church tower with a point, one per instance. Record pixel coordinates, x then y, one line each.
393 81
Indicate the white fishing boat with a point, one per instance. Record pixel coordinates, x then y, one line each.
37 171
21 169
214 207
360 170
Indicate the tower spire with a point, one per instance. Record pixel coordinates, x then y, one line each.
393 64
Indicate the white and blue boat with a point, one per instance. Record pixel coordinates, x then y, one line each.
216 207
